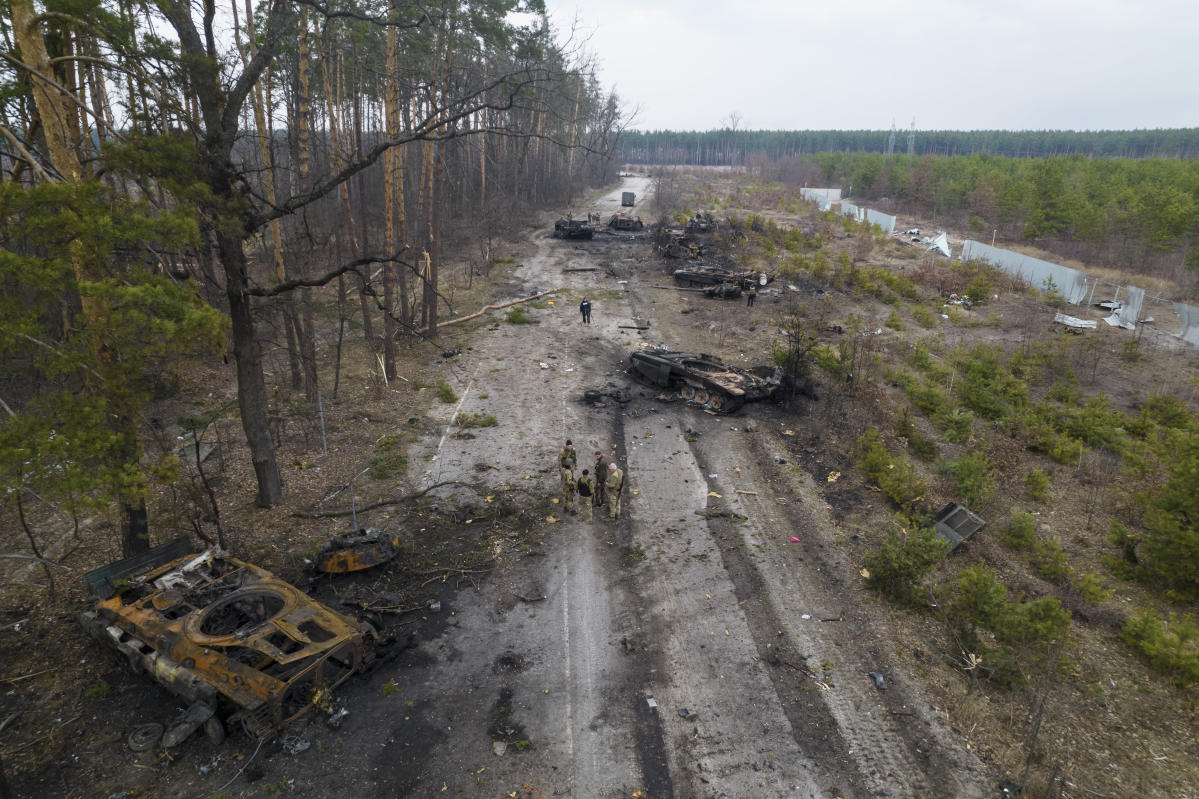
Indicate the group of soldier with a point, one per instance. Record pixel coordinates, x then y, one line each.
595 486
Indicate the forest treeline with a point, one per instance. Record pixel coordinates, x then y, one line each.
1138 214
178 178
731 147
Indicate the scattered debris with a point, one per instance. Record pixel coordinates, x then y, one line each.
955 523
294 745
356 551
334 722
1074 322
687 714
879 682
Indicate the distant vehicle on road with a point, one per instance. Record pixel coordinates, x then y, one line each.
627 198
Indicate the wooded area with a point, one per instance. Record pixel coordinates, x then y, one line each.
730 146
180 178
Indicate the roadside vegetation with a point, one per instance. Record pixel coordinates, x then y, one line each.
1087 471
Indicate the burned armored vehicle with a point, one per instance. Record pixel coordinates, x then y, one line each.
568 228
705 380
230 638
715 275
625 222
702 222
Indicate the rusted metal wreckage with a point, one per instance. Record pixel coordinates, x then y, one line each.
625 222
705 380
227 636
570 228
356 551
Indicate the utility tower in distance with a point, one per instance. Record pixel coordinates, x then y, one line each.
891 140
912 138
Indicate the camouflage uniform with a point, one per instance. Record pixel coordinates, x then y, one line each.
614 484
566 470
586 488
601 474
568 488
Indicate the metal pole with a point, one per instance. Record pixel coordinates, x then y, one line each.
324 442
353 499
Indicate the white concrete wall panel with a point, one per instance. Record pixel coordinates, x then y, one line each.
1070 282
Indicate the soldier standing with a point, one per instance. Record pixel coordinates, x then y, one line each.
586 488
569 487
585 310
614 485
566 470
751 295
601 474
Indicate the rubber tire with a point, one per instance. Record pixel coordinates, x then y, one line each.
214 731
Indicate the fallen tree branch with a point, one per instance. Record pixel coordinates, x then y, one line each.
487 308
675 288
579 269
39 560
331 514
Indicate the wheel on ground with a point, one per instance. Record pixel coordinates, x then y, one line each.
716 400
687 393
144 737
215 731
701 396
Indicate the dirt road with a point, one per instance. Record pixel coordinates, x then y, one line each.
667 654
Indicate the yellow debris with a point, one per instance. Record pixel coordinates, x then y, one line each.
788 432
550 519
834 477
714 494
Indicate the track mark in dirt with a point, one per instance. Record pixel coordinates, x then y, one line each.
813 726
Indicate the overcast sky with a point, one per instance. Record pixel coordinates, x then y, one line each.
853 64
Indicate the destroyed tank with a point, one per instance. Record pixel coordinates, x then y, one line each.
625 222
568 228
229 638
704 380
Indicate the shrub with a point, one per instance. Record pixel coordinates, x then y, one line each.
1036 483
1169 549
971 476
979 290
467 420
1091 586
519 316
1024 632
987 387
894 322
1049 559
1021 531
956 424
830 361
388 459
445 393
1097 424
924 316
896 477
1169 646
899 567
